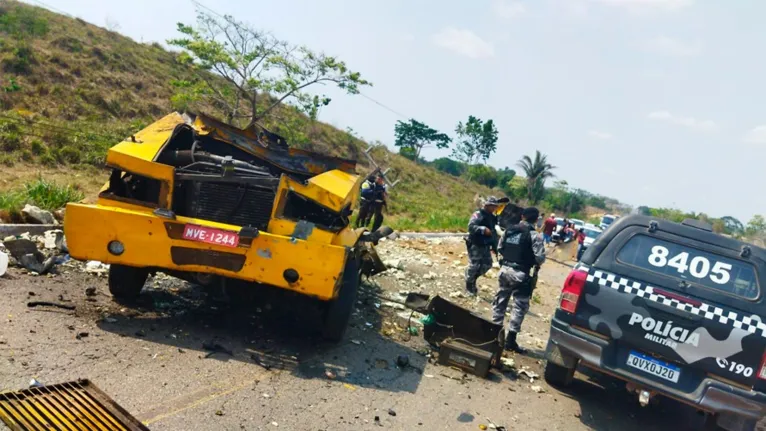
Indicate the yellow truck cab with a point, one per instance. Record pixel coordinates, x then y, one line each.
202 200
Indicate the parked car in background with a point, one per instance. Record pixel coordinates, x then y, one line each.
607 219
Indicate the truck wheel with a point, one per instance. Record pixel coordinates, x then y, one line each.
556 375
339 309
126 282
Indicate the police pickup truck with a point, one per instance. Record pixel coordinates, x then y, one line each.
672 309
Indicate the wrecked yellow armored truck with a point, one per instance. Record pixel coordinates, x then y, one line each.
198 199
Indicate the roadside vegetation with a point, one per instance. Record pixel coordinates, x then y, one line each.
69 90
40 193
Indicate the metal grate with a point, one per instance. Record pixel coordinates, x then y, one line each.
72 406
232 203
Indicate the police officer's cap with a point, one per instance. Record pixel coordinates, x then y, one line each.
530 213
491 200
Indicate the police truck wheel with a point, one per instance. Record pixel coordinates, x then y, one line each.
339 309
556 375
126 282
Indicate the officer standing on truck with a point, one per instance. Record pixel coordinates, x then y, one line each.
522 249
481 243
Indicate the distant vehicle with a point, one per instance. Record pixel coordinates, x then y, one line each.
672 309
607 220
591 233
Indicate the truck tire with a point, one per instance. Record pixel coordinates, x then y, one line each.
126 282
339 310
559 376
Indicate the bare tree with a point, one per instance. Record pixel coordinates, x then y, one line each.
259 71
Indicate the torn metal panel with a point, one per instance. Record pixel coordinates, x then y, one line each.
260 143
78 405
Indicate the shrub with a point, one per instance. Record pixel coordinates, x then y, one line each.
70 155
50 196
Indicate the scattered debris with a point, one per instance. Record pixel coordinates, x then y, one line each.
391 412
482 427
54 239
90 291
96 267
81 335
258 360
508 363
213 348
538 389
33 304
35 384
357 342
38 216
26 253
529 374
330 374
218 413
402 361
274 424
3 263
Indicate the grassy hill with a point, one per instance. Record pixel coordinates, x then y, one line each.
69 90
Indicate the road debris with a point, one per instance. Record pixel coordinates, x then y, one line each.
402 361
259 361
28 256
3 263
391 412
34 304
213 348
37 215
538 389
531 375
330 374
81 335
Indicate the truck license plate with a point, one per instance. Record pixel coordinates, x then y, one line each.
653 366
210 235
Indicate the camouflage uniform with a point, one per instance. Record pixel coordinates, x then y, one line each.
481 245
515 282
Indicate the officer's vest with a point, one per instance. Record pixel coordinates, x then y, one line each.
517 248
368 190
488 221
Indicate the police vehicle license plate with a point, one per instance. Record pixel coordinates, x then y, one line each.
653 366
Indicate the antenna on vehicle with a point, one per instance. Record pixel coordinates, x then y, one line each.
378 169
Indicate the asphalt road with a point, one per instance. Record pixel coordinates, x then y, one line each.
273 372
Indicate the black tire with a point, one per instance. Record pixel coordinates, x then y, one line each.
126 282
556 375
339 310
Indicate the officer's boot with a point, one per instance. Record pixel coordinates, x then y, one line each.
512 345
470 287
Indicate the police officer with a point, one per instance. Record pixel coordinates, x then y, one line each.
365 204
521 249
482 241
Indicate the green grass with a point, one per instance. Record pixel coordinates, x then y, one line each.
40 193
80 89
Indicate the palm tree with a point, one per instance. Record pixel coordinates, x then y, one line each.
536 171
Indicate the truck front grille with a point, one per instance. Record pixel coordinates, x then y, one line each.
231 203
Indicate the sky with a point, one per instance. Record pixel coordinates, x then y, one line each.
652 102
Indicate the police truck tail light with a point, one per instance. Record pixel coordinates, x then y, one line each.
570 294
762 368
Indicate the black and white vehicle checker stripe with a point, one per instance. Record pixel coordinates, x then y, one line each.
751 324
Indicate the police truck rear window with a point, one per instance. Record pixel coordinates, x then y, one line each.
690 264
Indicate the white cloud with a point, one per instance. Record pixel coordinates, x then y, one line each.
508 9
688 122
757 135
672 47
597 134
463 42
406 37
643 5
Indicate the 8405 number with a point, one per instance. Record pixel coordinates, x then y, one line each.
699 266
